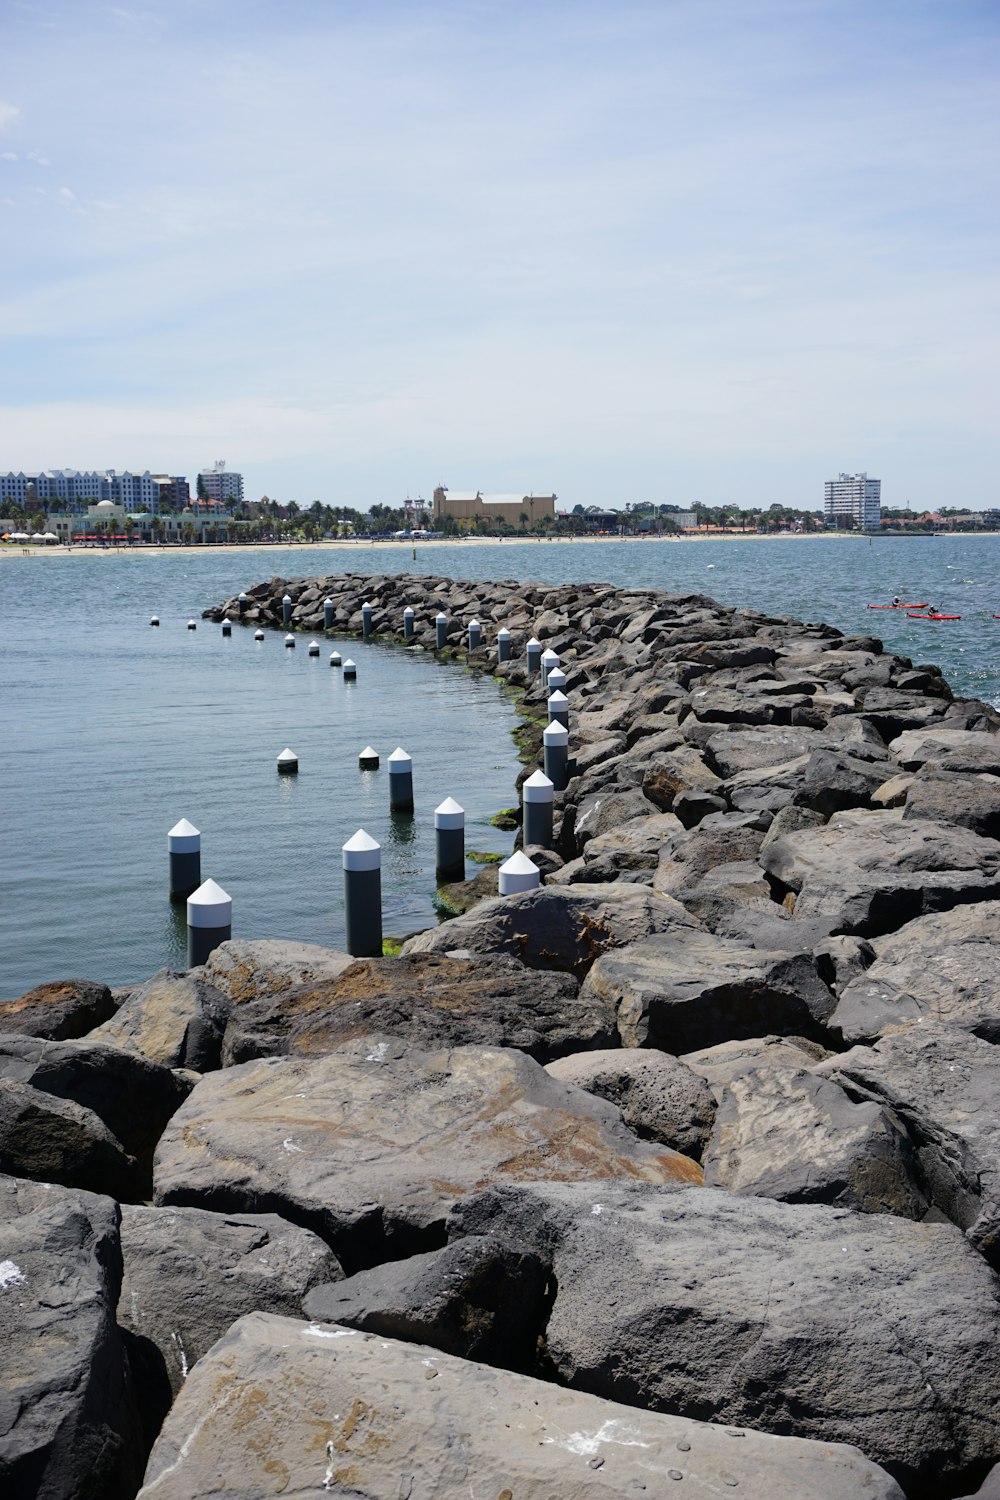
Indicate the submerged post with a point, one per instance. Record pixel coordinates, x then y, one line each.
362 858
537 795
440 630
407 624
555 755
184 858
449 840
350 671
314 648
503 644
533 653
209 922
400 781
518 874
335 658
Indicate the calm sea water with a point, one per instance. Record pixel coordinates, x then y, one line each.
113 730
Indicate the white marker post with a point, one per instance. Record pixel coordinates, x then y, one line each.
558 706
192 625
368 759
549 660
440 631
537 794
449 840
556 680
155 620
286 609
288 763
518 874
366 619
533 654
243 604
362 858
227 628
290 642
400 781
503 644
258 635
314 648
475 635
184 858
350 671
327 614
335 658
209 922
407 624
555 755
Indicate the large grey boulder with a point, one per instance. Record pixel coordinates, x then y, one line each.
943 967
69 1429
725 1061
660 1099
310 1408
966 801
370 1145
556 927
428 999
812 1321
189 1274
175 1019
965 749
689 988
66 1008
54 1140
250 970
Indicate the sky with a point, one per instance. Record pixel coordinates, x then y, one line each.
710 251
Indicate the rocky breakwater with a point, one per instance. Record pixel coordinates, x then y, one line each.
678 1174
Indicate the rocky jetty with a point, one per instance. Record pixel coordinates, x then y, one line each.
682 1169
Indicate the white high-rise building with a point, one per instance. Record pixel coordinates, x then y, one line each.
855 496
220 484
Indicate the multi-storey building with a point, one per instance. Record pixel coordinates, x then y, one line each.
853 499
69 489
221 485
468 507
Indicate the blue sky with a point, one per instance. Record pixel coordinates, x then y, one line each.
696 250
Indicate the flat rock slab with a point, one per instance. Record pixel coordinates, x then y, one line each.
428 999
371 1145
176 1019
965 748
190 1274
944 967
66 1008
689 988
285 1408
811 1321
68 1424
249 970
560 927
718 1064
658 1096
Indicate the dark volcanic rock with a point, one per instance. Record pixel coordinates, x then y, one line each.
253 970
67 1008
658 1096
54 1140
176 1019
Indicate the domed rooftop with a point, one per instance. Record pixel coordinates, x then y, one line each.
105 505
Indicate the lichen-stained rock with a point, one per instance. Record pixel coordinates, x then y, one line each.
556 927
943 967
429 1000
175 1018
943 1083
57 1011
370 1145
689 988
68 1424
871 872
286 1408
789 1135
813 1321
189 1274
659 1097
250 970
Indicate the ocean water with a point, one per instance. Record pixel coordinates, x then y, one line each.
113 730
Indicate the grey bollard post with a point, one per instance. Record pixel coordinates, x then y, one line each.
362 858
314 648
184 857
243 604
286 609
537 794
475 635
518 874
558 706
327 614
258 635
227 628
155 620
556 680
400 781
209 922
440 630
503 644
290 642
533 653
335 658
287 763
350 671
366 619
555 755
407 624
192 625
549 660
368 759
449 840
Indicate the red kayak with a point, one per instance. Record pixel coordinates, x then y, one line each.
933 617
922 605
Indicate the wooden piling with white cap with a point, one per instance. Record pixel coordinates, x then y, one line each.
184 859
537 794
258 635
243 604
558 707
475 635
368 759
555 754
533 655
549 659
287 762
314 648
209 921
400 780
518 874
192 625
227 628
366 619
556 680
407 624
440 631
350 671
503 644
327 614
362 859
335 658
286 609
290 642
155 620
449 840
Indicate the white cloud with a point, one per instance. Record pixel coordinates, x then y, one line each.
8 113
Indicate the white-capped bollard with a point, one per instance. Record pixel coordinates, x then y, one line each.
555 755
290 642
209 922
449 840
227 628
184 858
407 624
518 874
366 619
503 644
533 654
549 660
556 680
287 762
558 706
440 630
400 781
327 614
362 858
314 648
154 620
192 625
243 604
368 759
258 635
335 658
475 635
350 671
286 609
537 794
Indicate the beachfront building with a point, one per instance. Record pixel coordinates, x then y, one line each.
853 500
469 507
73 489
219 486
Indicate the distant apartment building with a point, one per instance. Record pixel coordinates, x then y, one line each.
72 490
853 499
468 506
220 486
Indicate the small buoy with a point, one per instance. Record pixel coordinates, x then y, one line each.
290 642
314 648
335 658
350 671
368 759
288 762
258 635
154 620
192 625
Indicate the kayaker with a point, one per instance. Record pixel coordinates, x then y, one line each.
896 601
